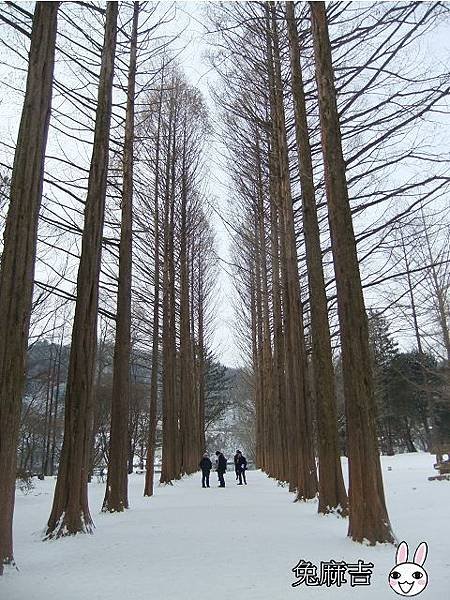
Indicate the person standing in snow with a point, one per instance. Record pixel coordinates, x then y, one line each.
206 466
221 467
241 466
236 468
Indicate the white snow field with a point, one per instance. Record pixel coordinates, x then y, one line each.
240 542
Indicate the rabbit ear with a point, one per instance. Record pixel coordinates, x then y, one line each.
402 553
421 553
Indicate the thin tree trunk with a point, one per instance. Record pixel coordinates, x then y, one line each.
411 297
188 420
172 333
300 431
44 457
55 413
116 495
367 508
272 399
152 419
49 413
441 302
266 408
168 466
19 254
70 512
201 355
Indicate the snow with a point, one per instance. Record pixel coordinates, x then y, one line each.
240 542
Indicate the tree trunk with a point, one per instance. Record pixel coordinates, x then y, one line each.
188 414
168 466
55 413
19 254
116 495
201 352
278 378
332 494
411 297
368 514
267 370
70 511
152 419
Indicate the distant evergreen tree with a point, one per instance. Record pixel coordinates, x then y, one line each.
383 350
440 410
217 385
411 376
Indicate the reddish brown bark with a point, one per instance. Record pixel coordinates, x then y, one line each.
19 254
188 405
367 509
170 464
152 419
70 512
116 495
302 464
332 493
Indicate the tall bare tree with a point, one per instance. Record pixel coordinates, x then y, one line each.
116 495
70 512
152 421
19 254
332 493
367 508
300 440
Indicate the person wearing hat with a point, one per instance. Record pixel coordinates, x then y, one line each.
221 467
206 466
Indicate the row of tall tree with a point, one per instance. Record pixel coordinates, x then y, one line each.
143 245
312 126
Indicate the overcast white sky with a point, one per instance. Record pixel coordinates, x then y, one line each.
198 70
190 18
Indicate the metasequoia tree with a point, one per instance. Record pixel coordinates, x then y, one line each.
116 495
70 511
152 420
332 493
170 422
367 507
248 39
303 472
171 140
267 255
203 280
19 253
250 137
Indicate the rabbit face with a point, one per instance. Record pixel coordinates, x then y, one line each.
409 578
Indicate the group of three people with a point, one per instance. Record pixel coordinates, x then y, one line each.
240 466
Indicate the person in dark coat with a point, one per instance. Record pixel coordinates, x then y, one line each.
221 468
206 466
241 466
236 467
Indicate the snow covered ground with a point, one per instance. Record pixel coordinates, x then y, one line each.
240 542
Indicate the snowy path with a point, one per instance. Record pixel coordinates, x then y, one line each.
234 543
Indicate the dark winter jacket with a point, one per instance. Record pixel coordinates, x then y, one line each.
221 463
205 464
241 463
236 462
